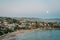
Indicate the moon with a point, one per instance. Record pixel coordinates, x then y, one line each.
47 12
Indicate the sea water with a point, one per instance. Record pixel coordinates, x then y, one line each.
37 35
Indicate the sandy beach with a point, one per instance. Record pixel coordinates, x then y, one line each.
15 33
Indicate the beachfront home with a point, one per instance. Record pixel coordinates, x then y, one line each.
0 23
41 24
32 25
5 22
11 26
24 24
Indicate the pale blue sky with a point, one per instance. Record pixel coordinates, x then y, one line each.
30 8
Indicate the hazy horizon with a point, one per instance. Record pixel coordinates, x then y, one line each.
30 8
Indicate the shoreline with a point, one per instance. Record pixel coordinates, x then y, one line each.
20 32
14 33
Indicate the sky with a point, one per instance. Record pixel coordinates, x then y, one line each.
30 8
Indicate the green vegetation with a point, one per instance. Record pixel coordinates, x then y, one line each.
8 24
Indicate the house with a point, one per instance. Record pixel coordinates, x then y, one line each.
24 24
5 23
0 23
11 25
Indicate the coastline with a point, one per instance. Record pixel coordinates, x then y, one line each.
15 33
20 32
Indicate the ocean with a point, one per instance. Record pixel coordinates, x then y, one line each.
37 35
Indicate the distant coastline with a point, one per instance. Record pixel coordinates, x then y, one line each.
9 26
